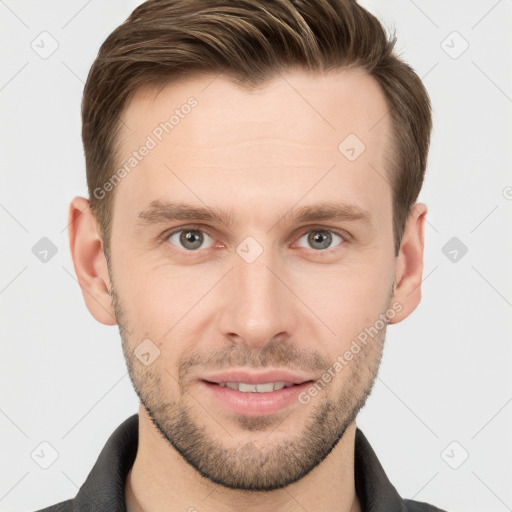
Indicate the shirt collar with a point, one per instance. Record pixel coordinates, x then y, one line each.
104 487
373 488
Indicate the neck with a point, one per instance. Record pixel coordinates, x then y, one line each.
160 479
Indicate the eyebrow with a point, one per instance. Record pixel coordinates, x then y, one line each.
159 212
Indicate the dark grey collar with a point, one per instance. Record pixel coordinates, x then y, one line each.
103 490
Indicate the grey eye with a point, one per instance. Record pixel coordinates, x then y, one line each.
319 239
190 239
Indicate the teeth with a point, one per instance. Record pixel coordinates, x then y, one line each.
256 388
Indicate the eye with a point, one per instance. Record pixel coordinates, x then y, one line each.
319 239
192 239
189 239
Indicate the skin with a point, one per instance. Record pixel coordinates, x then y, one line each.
258 153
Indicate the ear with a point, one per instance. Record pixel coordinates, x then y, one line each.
90 264
409 264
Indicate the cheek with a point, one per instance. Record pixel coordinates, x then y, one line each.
159 302
351 298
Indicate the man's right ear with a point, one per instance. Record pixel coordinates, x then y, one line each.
89 261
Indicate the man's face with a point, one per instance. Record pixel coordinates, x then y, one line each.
295 295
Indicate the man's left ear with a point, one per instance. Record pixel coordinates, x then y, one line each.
409 264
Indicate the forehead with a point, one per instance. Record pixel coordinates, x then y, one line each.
330 106
211 139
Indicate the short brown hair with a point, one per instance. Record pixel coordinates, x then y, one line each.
250 41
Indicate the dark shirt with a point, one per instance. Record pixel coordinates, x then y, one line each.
103 490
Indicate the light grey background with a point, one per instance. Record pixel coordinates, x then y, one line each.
445 375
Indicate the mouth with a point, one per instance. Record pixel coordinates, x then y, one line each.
247 399
266 387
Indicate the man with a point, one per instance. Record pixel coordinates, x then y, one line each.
252 228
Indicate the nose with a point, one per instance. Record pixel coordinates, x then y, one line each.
257 306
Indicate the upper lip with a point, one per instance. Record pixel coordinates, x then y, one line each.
257 378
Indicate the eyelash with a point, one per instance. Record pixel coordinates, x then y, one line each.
194 227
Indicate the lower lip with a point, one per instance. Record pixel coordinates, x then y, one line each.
255 404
